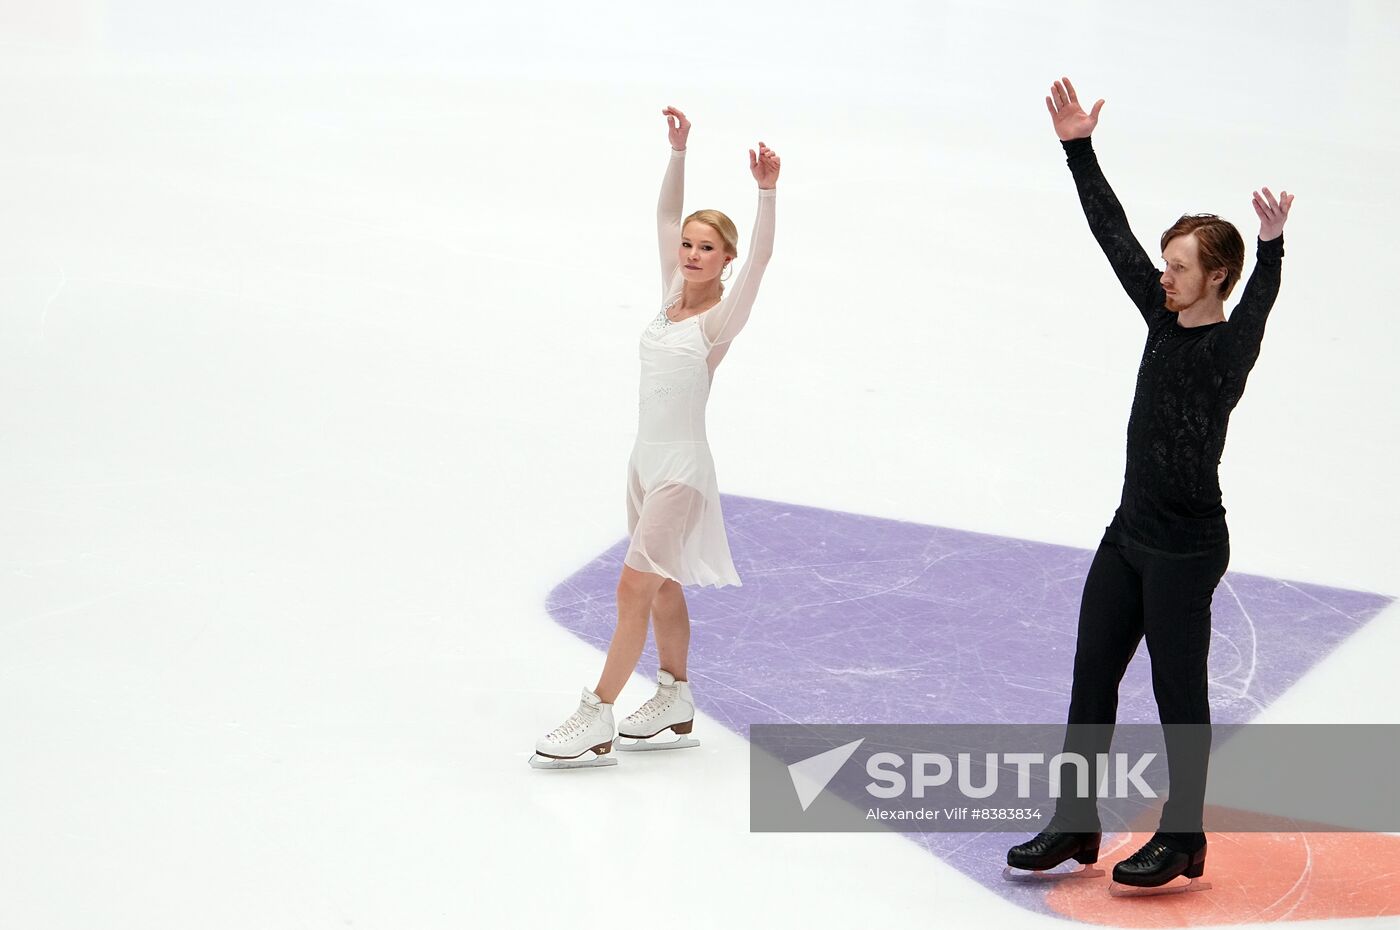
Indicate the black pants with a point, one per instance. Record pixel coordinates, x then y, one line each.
1130 593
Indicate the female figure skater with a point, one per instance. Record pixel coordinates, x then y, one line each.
673 507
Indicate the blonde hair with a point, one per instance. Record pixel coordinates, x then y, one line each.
721 224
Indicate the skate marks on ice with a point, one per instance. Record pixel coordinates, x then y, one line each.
844 618
1257 878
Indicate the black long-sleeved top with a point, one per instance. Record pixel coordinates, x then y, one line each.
1189 380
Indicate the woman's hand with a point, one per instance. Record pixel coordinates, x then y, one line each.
765 165
677 127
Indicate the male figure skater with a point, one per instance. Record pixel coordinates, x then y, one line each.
1168 545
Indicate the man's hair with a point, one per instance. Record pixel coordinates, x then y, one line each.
1220 245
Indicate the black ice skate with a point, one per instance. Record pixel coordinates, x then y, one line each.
1150 870
1033 860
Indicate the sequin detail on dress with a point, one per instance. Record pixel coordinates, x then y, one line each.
659 324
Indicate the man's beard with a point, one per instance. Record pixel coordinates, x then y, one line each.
1176 304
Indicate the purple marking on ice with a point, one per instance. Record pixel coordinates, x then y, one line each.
844 618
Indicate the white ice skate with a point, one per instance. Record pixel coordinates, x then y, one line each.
670 708
585 740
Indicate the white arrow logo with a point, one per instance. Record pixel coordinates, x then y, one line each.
811 776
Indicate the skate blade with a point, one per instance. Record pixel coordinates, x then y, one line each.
652 743
1133 891
538 761
1031 878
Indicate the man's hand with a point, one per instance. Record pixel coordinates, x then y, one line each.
1071 122
1272 213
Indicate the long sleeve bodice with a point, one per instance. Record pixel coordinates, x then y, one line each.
722 322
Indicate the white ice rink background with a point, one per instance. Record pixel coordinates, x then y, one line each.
318 333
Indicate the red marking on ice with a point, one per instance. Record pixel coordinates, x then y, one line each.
1255 878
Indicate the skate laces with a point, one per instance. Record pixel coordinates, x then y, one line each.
657 703
577 722
1149 851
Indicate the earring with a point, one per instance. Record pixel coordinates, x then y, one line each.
728 270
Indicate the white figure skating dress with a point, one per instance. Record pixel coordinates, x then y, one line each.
673 508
